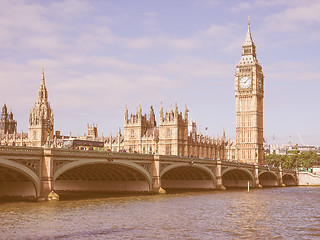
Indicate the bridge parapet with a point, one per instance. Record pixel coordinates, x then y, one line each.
69 153
180 159
29 151
291 171
237 164
268 168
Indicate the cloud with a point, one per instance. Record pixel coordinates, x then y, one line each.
242 6
69 9
294 20
208 2
138 43
188 67
293 71
227 38
248 6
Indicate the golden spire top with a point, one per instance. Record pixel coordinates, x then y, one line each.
249 20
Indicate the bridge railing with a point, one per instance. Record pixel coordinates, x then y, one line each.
9 150
98 154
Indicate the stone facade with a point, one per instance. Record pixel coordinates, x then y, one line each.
7 123
249 95
92 131
41 118
40 123
174 135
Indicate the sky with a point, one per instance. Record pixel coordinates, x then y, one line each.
100 56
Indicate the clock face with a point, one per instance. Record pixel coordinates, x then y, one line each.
245 82
260 83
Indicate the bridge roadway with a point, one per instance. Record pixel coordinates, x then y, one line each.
34 172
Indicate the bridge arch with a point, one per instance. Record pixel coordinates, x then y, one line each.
236 177
18 180
101 175
187 176
268 179
289 179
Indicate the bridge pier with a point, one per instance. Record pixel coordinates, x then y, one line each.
46 177
256 176
156 180
219 176
281 184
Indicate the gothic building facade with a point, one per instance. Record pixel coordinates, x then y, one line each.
174 135
41 122
7 124
249 93
41 118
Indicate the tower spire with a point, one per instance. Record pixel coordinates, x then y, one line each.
42 93
41 118
248 41
42 77
248 49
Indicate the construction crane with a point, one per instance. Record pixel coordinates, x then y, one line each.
300 139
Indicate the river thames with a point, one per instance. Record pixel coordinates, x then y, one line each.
272 213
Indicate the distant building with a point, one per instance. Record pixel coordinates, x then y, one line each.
290 148
7 124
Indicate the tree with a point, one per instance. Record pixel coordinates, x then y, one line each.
303 159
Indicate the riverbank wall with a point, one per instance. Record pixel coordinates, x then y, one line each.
308 179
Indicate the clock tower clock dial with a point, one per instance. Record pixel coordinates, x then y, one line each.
249 104
245 82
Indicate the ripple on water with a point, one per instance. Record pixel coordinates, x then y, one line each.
279 213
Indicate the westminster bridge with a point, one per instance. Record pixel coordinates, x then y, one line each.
35 172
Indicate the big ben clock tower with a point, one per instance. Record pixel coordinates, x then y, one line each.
249 92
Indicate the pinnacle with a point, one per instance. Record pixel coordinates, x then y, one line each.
42 77
248 41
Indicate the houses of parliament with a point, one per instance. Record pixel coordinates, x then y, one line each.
173 134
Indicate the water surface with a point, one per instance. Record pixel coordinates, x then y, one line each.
274 213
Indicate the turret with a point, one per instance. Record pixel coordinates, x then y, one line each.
152 119
7 123
139 113
223 135
176 113
4 113
186 113
161 113
10 115
126 114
